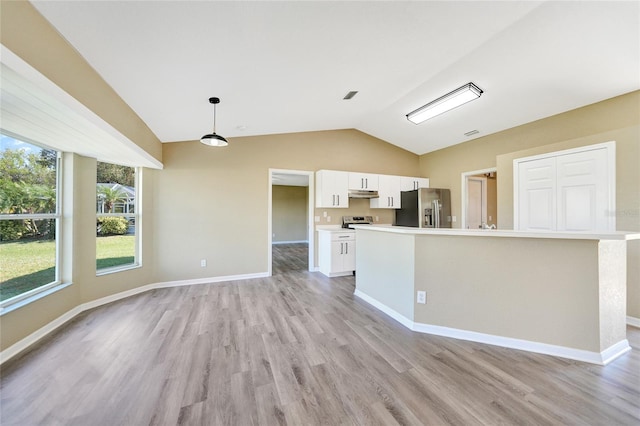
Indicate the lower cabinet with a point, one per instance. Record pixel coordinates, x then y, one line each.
337 252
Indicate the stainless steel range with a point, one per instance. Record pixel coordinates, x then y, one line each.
347 221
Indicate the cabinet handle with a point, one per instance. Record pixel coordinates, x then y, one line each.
346 248
341 248
391 201
338 199
366 183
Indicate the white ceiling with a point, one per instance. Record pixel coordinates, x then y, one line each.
282 67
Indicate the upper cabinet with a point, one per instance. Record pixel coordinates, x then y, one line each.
389 191
332 189
412 183
363 181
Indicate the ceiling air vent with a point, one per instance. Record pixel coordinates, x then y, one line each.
472 132
350 95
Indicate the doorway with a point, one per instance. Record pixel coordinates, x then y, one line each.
290 226
479 198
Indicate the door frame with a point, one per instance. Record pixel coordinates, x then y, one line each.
463 187
310 213
609 147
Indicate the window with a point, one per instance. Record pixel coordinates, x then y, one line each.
117 217
29 219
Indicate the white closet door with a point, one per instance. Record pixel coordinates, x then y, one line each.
537 195
582 181
571 190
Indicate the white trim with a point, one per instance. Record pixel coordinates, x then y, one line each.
610 148
385 309
289 242
30 296
633 321
601 358
463 188
24 343
310 216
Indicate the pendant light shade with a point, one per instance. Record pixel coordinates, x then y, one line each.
213 139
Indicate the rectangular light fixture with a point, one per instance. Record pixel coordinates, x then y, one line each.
451 100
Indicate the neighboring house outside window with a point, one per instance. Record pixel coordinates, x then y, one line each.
117 217
29 220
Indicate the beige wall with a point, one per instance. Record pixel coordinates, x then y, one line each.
212 203
79 254
616 119
561 292
289 213
27 34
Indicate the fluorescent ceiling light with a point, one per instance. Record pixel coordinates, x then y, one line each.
451 100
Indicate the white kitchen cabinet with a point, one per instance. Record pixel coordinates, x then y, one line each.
363 181
337 252
389 191
412 183
332 189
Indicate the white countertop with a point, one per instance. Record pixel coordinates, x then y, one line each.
510 233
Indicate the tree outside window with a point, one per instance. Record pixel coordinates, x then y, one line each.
28 218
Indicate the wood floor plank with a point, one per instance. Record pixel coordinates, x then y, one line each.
295 348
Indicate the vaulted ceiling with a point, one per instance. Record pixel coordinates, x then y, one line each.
282 67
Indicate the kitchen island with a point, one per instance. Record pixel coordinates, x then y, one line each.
562 294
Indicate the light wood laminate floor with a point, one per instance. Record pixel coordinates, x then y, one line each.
295 349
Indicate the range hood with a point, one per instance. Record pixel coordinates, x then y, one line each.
361 193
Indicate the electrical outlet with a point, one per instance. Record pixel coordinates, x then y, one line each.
328 218
203 263
316 218
454 219
422 297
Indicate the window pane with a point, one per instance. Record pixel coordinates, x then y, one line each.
116 235
27 178
26 263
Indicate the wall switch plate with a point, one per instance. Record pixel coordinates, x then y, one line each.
324 214
422 297
317 218
454 219
203 263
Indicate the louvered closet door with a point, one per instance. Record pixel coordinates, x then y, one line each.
583 191
537 195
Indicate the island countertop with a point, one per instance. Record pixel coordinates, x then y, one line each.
558 293
509 233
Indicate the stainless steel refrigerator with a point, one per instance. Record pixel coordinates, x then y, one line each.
425 208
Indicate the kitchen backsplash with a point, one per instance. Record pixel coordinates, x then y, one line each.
357 207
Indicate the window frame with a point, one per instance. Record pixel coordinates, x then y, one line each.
137 217
35 293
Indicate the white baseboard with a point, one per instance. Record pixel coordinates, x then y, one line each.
289 242
34 337
384 308
600 358
23 344
633 321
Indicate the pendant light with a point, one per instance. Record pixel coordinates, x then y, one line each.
214 139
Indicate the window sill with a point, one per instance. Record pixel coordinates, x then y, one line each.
114 269
23 302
